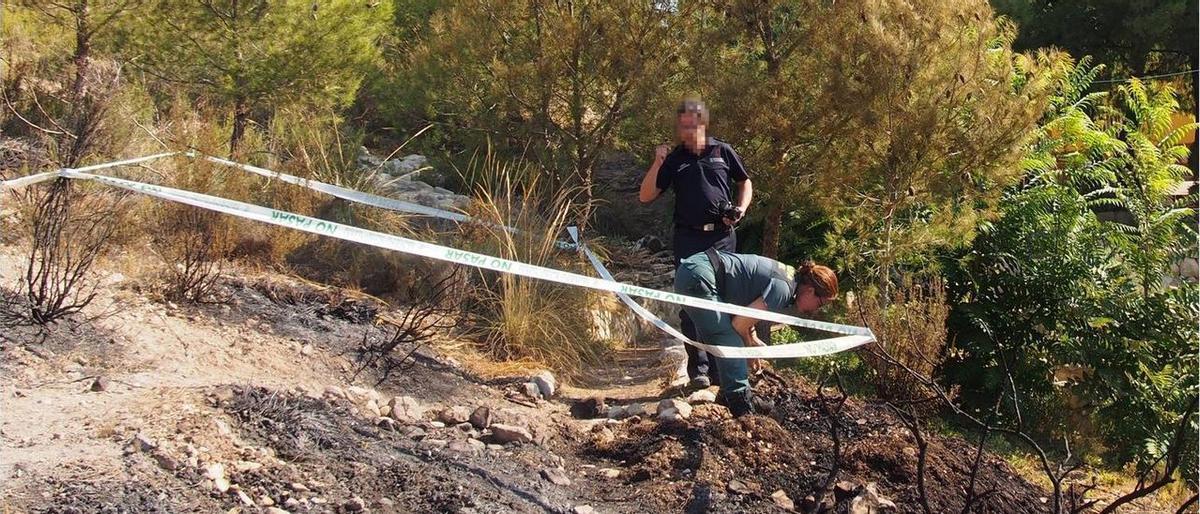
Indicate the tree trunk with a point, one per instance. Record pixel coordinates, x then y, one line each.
241 116
83 48
772 227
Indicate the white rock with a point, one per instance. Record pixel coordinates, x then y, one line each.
244 466
505 434
372 409
546 383
682 408
556 476
532 390
702 396
360 392
455 415
406 409
216 473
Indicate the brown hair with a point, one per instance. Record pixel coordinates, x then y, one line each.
693 106
822 279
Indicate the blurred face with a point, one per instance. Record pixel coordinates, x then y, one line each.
808 302
688 127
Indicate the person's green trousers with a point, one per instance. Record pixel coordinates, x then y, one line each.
696 277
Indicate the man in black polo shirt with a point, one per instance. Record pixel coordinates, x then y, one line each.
712 193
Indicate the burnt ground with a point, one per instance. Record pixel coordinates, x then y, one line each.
260 387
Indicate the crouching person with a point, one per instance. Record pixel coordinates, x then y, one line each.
756 282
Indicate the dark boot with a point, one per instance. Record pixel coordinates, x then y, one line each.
741 404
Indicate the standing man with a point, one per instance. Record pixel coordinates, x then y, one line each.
712 193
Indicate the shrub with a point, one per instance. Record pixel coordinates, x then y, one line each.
911 326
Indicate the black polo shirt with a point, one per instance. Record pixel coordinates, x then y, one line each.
702 181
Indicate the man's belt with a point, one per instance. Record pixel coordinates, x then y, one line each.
707 227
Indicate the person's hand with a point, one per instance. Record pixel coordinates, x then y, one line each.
738 213
756 364
660 153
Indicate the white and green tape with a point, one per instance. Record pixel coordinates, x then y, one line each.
855 336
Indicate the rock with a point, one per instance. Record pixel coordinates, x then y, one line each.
366 160
618 412
306 350
532 391
465 427
359 392
589 408
298 487
479 445
584 509
216 473
435 443
413 432
277 510
546 383
335 392
869 501
266 501
354 504
782 501
291 503
635 409
143 442
372 409
739 487
610 472
455 415
99 385
505 434
405 165
244 466
165 461
385 423
481 418
222 427
808 504
556 476
702 396
843 490
406 409
436 424
244 498
681 407
462 446
669 416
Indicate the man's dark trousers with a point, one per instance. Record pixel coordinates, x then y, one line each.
688 242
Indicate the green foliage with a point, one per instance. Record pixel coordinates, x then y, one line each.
1133 38
1100 351
554 82
932 110
253 57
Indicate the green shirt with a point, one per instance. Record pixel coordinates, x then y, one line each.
748 277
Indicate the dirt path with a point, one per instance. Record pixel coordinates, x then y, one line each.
249 406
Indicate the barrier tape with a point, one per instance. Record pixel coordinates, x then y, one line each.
783 351
857 335
19 183
393 204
